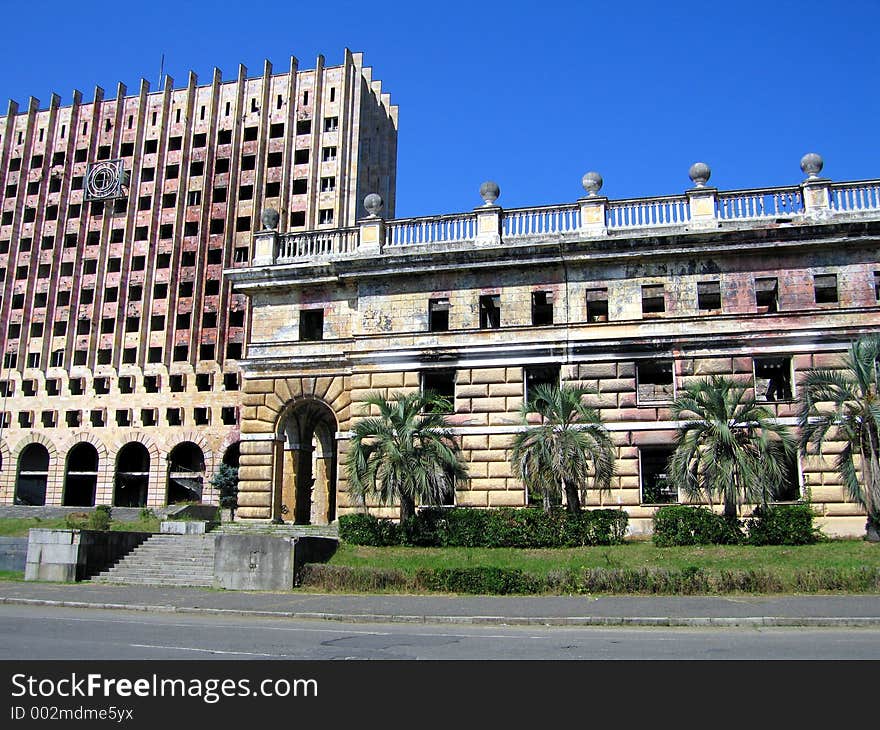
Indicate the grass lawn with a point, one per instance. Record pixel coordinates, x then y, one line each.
780 559
17 527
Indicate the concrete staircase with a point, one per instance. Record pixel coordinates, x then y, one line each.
166 560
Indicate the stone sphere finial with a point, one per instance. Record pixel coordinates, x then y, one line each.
270 219
592 182
489 192
373 203
699 174
812 164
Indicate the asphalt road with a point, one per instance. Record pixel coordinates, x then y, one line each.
37 632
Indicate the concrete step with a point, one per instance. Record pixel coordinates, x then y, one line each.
171 560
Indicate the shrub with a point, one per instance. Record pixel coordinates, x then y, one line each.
684 525
784 524
147 514
364 529
100 519
225 481
503 527
496 581
77 520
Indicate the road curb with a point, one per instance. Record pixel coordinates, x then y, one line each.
633 621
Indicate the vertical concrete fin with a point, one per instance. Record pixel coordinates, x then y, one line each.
143 87
54 101
121 91
12 109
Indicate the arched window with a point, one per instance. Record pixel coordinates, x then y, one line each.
132 476
186 473
33 475
81 476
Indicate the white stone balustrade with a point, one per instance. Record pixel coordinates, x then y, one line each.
700 207
760 203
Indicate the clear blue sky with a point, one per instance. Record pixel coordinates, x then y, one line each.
529 94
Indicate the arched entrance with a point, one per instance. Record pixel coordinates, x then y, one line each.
33 475
305 473
232 454
80 476
186 473
132 476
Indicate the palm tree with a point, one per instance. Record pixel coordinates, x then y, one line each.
845 404
729 446
568 447
407 453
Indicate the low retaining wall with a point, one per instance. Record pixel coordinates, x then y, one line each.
72 555
13 553
266 562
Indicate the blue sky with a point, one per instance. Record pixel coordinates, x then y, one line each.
531 95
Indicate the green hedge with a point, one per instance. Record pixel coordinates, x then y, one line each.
582 581
788 524
503 527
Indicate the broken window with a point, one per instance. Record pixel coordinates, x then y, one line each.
301 157
304 126
825 286
490 311
438 315
654 476
311 325
653 300
655 382
542 308
441 383
709 296
773 378
301 185
597 305
540 375
767 295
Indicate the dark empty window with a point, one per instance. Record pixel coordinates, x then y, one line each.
229 415
825 286
441 383
311 324
490 311
276 130
542 308
221 165
877 285
766 295
438 315
203 381
773 378
304 126
248 162
151 383
540 375
654 476
301 157
654 381
174 416
231 381
251 133
299 186
224 136
653 301
148 416
709 296
297 218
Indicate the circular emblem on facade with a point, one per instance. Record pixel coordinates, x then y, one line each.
104 180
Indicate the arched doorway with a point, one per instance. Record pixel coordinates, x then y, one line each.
305 483
80 476
232 454
186 473
33 475
132 476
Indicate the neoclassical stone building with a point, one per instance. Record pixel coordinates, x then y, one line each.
633 297
120 338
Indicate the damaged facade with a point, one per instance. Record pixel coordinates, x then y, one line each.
120 338
634 298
